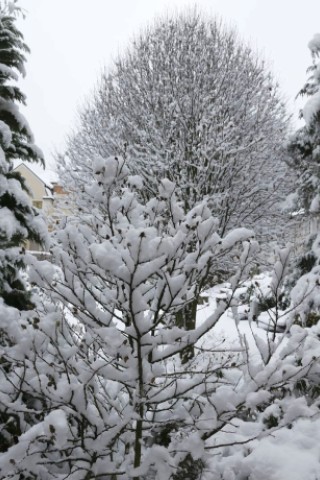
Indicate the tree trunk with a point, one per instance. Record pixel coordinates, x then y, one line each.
186 319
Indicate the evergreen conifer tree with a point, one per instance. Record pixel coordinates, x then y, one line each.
18 222
304 147
304 150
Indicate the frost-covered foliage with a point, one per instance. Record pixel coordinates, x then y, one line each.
102 356
190 102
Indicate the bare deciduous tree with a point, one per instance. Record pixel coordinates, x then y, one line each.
191 102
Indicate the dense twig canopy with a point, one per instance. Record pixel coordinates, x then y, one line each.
191 102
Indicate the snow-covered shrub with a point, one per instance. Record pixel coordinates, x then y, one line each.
261 298
105 349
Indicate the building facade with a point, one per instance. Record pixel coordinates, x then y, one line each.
47 196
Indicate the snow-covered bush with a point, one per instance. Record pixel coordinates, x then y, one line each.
262 297
103 351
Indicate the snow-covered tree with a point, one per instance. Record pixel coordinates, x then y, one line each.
18 223
304 145
304 150
191 102
119 404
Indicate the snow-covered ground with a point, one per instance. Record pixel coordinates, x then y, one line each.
226 327
227 330
290 453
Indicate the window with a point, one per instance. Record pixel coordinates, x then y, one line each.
37 204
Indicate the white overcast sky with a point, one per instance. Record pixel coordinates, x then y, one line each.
72 40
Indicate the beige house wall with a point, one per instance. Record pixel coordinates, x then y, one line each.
38 195
35 185
53 202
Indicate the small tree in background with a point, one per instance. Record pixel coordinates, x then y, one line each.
18 223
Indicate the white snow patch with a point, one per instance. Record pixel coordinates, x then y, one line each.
311 108
315 204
